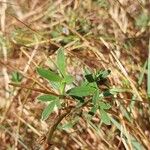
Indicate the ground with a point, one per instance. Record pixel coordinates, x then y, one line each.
97 34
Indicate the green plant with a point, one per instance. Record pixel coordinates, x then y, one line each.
89 93
16 77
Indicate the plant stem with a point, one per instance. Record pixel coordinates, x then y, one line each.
53 128
51 131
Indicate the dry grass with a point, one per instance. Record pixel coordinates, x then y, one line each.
100 34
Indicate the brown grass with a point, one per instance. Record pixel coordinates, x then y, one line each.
100 34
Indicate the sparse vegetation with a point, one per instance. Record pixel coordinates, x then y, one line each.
75 74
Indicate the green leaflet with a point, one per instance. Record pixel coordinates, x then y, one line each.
50 108
47 97
81 91
104 105
68 79
104 117
49 75
16 77
95 97
61 62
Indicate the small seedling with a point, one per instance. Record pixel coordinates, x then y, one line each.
16 77
87 93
